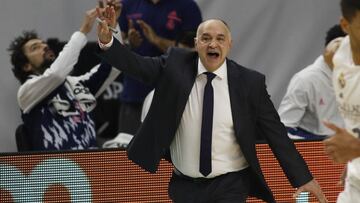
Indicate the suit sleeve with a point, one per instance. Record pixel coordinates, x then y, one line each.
268 123
144 69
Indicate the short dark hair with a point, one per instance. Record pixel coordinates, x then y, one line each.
349 8
333 33
18 57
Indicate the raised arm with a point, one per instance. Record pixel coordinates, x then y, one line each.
145 69
40 86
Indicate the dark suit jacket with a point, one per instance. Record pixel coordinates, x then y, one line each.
173 75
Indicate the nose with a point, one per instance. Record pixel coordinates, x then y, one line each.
45 46
213 43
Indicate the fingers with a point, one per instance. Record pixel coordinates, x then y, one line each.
115 3
335 156
130 24
148 31
144 26
141 23
314 188
322 198
92 14
135 38
103 28
99 12
104 3
297 192
332 126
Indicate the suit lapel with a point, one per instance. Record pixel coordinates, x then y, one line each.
188 76
238 97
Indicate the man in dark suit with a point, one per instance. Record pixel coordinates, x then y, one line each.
212 149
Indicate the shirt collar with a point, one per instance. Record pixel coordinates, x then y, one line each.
220 72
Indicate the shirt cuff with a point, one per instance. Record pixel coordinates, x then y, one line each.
106 46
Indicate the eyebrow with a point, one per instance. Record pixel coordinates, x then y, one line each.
207 34
35 44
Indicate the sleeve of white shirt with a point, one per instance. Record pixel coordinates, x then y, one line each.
38 87
116 36
106 46
294 103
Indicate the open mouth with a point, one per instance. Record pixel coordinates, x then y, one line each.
213 54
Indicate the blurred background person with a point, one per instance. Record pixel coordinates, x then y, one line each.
149 27
310 97
56 108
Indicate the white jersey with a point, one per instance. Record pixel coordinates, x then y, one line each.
346 82
310 99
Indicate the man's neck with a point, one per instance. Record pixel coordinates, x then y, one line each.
355 51
356 57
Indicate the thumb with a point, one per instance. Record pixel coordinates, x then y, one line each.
142 24
332 126
297 192
130 24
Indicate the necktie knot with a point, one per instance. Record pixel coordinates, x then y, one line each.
210 76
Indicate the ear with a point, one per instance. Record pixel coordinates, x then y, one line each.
344 25
195 43
27 67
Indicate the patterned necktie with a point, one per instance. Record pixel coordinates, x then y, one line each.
206 126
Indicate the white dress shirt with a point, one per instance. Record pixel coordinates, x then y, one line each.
185 148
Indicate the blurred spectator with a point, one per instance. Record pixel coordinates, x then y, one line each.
106 112
310 97
150 27
57 108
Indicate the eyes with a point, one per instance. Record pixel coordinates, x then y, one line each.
207 39
36 46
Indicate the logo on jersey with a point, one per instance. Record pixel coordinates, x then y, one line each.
341 81
172 18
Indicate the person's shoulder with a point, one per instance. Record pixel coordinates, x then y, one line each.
244 70
176 53
312 72
177 50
